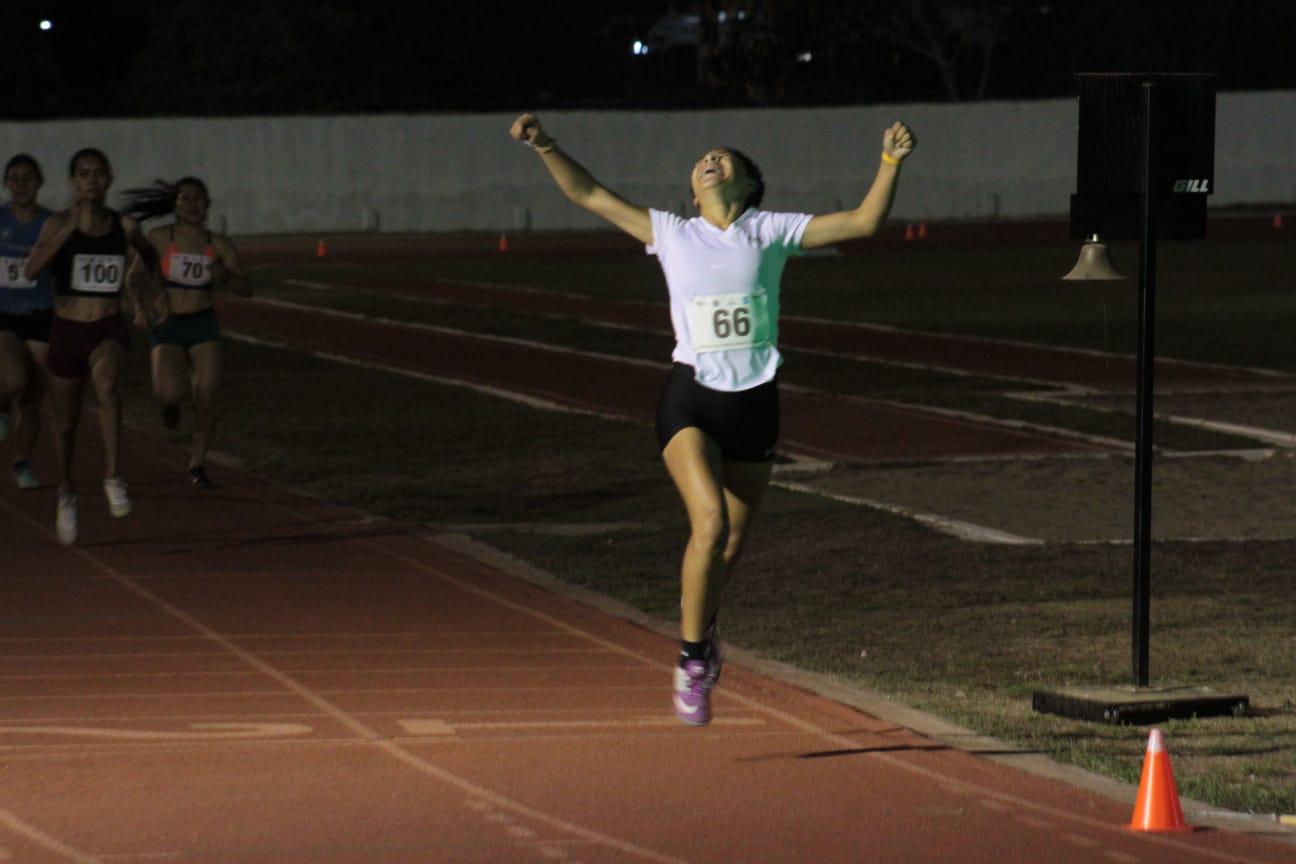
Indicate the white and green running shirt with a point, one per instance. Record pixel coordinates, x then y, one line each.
724 292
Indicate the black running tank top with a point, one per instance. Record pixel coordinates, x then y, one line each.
89 266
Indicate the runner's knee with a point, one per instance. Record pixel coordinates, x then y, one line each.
711 530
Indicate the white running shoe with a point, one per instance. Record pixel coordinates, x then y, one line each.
23 476
65 523
119 503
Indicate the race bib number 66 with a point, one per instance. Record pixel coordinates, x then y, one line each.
98 274
721 322
11 274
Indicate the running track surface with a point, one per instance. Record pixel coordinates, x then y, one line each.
814 424
249 676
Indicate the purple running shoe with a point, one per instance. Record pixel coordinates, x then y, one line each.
693 693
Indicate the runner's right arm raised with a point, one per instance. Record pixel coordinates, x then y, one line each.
579 185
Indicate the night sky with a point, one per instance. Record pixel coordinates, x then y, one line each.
197 57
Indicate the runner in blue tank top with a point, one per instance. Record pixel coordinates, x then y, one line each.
717 420
25 311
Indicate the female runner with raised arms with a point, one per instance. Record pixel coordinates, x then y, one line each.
25 315
88 248
717 420
194 262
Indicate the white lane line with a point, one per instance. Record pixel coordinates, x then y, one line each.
347 720
45 841
1080 840
500 393
436 726
978 792
1020 427
943 524
989 798
197 732
1063 350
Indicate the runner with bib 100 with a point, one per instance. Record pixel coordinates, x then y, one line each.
718 416
88 249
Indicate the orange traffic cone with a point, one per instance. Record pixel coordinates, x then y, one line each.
503 244
1157 807
922 230
321 249
1278 221
909 231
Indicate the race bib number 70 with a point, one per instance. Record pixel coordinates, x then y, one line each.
98 274
11 274
721 322
191 270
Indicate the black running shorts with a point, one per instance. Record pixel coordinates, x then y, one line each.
28 326
745 424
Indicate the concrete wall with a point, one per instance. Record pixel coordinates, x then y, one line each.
462 172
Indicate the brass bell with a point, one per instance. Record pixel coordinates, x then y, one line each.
1094 264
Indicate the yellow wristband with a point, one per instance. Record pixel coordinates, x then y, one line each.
889 159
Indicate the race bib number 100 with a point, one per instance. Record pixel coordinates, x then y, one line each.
11 275
98 274
722 322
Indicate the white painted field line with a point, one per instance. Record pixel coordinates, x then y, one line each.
1274 437
497 392
944 524
438 726
913 410
45 841
855 325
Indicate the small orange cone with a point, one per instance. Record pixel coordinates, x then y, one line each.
922 230
503 244
1157 806
909 231
321 249
1278 221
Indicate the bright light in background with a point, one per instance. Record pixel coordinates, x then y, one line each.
805 57
46 24
638 48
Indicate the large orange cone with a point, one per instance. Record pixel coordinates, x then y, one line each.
1278 222
503 243
909 231
1157 807
321 249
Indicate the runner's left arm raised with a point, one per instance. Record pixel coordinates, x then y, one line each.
865 220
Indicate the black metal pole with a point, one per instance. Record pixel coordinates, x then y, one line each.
1143 411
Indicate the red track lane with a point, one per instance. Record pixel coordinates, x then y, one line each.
246 676
1093 370
827 426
